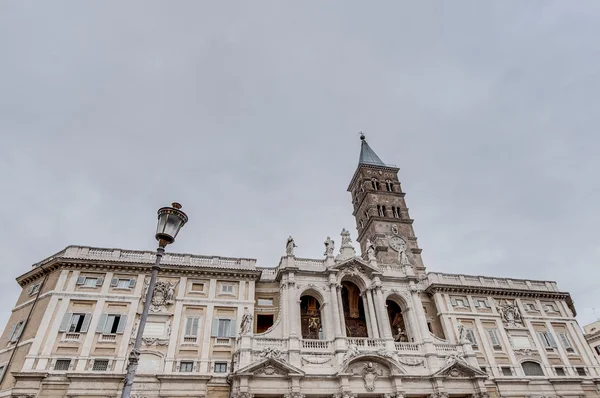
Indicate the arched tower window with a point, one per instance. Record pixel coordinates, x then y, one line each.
381 210
532 368
389 186
375 184
396 211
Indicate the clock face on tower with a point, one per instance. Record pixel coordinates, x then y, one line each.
397 243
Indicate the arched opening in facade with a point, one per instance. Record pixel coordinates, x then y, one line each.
354 311
310 318
397 323
532 368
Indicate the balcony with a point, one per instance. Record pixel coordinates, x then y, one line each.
366 344
107 338
316 345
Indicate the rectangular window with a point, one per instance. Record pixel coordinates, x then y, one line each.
530 307
62 364
550 308
559 371
223 328
547 340
581 371
470 335
90 281
15 331
227 289
459 302
191 327
122 283
34 289
112 324
597 348
197 287
100 365
220 367
483 369
186 366
481 303
506 371
76 323
566 343
494 339
268 302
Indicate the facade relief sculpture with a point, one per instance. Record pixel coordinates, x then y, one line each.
162 296
509 312
247 322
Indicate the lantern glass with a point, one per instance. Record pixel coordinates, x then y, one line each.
170 221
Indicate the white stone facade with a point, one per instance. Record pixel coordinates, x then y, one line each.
345 325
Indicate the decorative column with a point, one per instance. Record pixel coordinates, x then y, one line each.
373 317
385 329
335 307
363 296
341 309
419 312
291 287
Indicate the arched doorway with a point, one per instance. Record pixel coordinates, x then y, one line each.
397 324
354 311
310 318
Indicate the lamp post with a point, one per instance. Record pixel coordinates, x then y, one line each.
170 221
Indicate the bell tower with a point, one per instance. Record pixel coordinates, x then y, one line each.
381 213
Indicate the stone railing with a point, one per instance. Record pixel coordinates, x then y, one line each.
410 347
268 273
506 283
316 345
148 257
443 348
260 343
308 264
366 343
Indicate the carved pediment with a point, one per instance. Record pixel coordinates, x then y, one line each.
270 367
355 265
457 368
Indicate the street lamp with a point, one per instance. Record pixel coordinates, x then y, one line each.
170 221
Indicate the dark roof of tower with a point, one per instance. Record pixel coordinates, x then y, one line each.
368 155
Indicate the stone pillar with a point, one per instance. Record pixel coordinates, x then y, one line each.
385 329
291 285
341 309
373 317
367 316
419 313
335 308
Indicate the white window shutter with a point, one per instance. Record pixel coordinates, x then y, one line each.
476 303
99 281
11 335
232 328
188 326
215 328
81 280
30 289
132 282
565 340
453 301
121 325
114 282
86 322
552 341
110 320
64 325
494 337
195 326
101 324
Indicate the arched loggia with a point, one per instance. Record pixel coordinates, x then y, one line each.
354 311
311 323
396 311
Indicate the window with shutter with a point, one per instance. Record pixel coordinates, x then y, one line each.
101 323
494 339
566 342
191 327
64 325
80 280
90 282
114 282
223 327
99 281
121 324
16 331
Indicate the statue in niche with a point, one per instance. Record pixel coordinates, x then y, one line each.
329 247
246 324
401 336
289 246
370 250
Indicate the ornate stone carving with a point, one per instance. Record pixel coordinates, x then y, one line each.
394 229
329 247
316 360
246 324
352 352
410 361
370 373
294 395
162 296
454 357
238 394
268 370
509 312
526 352
270 352
345 394
289 246
164 340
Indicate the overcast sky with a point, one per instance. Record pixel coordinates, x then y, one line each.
248 114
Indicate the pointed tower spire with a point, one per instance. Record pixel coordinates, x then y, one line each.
368 155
